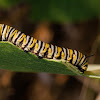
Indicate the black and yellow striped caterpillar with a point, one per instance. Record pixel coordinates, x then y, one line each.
41 49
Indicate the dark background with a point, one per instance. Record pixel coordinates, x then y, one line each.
68 23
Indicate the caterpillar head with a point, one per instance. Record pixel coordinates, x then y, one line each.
84 67
83 64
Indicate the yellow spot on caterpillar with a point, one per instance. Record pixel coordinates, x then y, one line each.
34 41
49 53
0 29
84 67
74 58
24 41
14 37
46 46
80 56
62 55
36 48
81 60
15 32
21 39
85 64
58 54
70 54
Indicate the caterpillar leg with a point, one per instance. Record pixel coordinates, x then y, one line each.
40 57
26 51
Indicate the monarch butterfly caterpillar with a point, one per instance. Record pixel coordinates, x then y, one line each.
42 49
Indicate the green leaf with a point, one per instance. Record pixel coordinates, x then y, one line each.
14 59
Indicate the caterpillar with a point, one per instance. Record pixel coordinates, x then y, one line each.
42 49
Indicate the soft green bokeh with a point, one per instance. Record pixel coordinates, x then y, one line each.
8 3
58 10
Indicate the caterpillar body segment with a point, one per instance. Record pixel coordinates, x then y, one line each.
42 49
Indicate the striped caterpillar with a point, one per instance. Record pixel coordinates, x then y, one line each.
42 49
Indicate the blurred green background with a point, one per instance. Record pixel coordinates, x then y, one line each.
68 23
56 10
